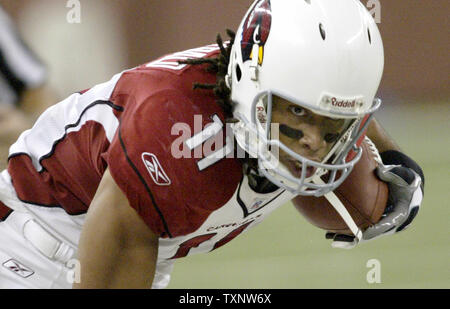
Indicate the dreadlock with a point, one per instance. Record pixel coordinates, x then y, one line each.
218 65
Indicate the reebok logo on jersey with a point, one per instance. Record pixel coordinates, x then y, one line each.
155 169
18 268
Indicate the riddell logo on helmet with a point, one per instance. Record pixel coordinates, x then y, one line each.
343 103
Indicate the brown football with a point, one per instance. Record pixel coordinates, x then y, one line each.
363 194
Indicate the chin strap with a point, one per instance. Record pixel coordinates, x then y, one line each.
347 241
343 212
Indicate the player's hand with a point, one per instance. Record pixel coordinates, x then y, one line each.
405 197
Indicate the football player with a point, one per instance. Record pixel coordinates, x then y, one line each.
145 168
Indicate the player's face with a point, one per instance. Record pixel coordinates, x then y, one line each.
306 133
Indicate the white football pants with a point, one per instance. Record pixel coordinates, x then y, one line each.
38 246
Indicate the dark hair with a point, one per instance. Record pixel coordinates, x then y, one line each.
218 65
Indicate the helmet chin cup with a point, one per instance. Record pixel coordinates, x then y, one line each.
304 185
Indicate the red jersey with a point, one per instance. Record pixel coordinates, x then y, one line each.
165 147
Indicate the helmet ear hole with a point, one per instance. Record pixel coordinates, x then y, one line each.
238 73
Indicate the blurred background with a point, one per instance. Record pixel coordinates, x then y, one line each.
284 251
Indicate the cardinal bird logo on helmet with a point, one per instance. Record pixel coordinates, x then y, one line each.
256 30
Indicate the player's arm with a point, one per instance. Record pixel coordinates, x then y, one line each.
116 249
380 137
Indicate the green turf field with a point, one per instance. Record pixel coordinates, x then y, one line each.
287 252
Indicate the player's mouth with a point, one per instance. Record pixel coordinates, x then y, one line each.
296 168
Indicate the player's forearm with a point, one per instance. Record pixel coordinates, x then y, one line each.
117 249
380 138
132 268
121 263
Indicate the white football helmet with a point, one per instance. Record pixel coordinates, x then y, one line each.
323 55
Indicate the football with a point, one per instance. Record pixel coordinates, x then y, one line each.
363 194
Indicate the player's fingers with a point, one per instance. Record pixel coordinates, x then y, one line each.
386 226
385 173
398 175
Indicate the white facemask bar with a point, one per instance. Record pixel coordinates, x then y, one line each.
303 185
270 166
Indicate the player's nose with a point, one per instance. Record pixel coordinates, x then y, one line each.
312 143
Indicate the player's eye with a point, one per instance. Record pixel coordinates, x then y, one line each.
331 137
297 110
